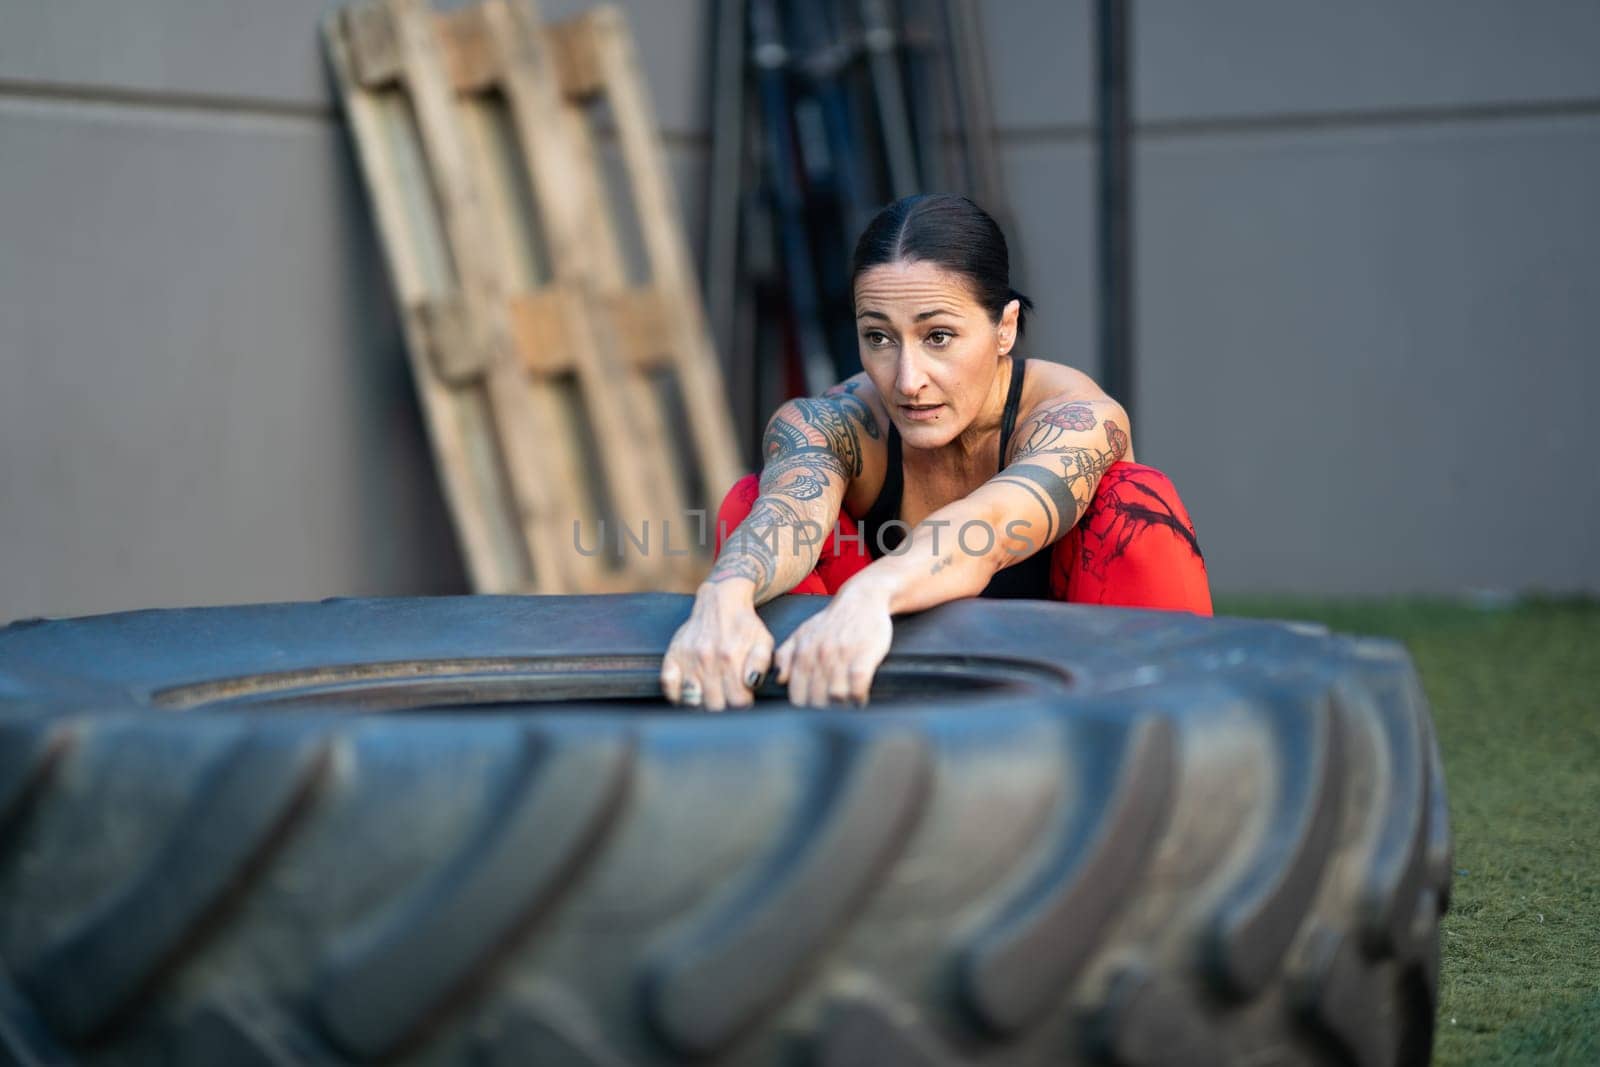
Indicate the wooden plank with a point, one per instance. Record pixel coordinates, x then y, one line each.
577 66
543 324
536 357
447 338
420 271
370 52
546 322
433 97
640 319
603 267
468 53
522 263
699 376
582 245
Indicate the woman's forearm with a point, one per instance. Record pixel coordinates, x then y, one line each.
770 551
778 543
1039 496
949 555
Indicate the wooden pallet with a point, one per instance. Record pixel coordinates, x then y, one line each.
562 389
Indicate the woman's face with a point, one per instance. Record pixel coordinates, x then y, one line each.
929 347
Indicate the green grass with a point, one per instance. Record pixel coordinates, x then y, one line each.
1516 698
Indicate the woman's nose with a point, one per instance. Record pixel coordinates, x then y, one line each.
909 377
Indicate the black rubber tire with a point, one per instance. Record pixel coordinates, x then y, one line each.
467 830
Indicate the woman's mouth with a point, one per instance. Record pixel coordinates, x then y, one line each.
920 412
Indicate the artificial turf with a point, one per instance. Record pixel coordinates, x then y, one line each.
1515 692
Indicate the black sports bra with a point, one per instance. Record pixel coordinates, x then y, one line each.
1029 579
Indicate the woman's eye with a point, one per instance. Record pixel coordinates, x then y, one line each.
940 338
876 337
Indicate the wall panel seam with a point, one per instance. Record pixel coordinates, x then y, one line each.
1305 122
191 104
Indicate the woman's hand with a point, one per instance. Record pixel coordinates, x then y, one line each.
834 654
719 656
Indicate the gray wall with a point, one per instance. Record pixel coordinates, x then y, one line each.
203 393
1368 271
1369 292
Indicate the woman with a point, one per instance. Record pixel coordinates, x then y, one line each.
950 467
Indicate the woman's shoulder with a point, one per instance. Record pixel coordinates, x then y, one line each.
857 401
1048 380
858 389
848 418
1049 385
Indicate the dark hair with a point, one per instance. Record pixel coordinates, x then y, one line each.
948 231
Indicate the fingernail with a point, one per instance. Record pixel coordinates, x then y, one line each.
753 679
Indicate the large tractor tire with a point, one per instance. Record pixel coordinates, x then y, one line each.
468 830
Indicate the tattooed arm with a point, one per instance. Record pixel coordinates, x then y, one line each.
1058 454
812 448
1062 448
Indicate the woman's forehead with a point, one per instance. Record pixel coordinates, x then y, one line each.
906 289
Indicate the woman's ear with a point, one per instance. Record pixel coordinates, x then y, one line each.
1007 330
